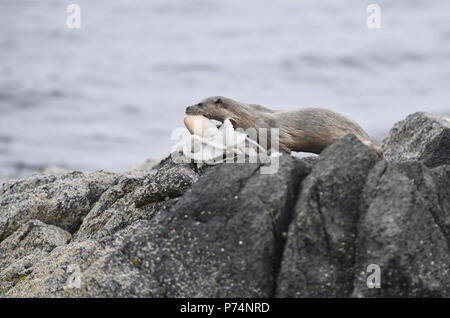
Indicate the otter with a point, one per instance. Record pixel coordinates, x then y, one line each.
309 129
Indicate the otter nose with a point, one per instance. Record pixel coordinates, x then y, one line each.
188 109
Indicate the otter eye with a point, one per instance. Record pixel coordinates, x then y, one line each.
219 101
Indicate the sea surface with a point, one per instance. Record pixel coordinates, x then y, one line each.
108 95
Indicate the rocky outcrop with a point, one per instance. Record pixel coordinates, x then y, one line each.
62 201
421 136
136 197
405 230
32 242
218 239
319 257
315 228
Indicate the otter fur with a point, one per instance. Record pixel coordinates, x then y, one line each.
309 129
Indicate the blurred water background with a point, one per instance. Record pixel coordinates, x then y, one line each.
108 95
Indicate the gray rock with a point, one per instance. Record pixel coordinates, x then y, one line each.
318 259
25 247
101 203
61 272
136 197
354 211
437 152
170 180
175 230
219 239
224 237
421 136
405 231
57 200
105 268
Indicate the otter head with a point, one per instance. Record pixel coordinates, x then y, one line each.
217 108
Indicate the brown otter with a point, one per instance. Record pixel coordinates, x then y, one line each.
308 129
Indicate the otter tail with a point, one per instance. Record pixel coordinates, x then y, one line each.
379 151
374 147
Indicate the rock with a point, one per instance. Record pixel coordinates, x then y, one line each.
405 230
22 249
355 211
56 200
437 152
170 180
318 259
174 230
100 203
109 267
421 136
226 246
134 198
60 272
224 239
310 161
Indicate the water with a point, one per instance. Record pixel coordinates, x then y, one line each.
108 95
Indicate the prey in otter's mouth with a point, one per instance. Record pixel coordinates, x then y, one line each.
309 129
